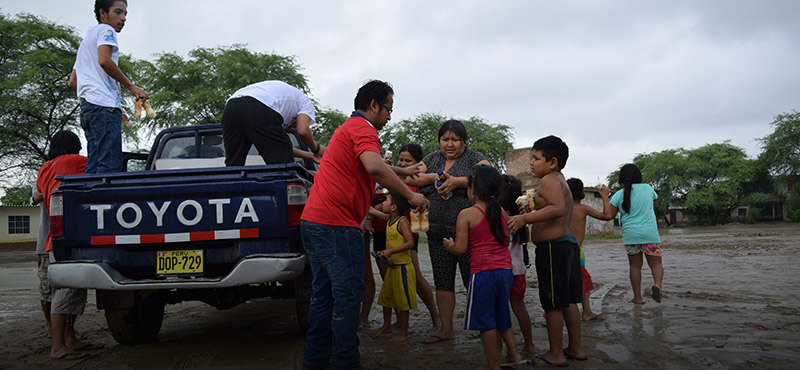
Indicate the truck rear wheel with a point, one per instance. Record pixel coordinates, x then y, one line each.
138 324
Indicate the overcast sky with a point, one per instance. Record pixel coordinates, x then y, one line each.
611 78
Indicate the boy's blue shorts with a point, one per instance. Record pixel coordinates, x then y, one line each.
487 300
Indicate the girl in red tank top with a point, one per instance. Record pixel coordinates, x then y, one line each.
481 232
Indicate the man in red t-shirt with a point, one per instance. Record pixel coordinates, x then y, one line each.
66 304
331 227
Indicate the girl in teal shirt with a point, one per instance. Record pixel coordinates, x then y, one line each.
636 204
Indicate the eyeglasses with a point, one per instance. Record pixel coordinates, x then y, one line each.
389 110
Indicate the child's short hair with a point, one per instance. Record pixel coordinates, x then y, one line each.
576 188
553 147
63 142
414 149
400 202
104 5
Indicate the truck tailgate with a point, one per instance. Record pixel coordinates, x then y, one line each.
125 219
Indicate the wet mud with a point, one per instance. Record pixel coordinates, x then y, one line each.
730 300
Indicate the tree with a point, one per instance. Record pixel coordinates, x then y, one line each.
782 147
710 181
17 196
193 90
36 59
328 120
493 140
716 174
793 203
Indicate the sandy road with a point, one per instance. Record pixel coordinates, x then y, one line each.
730 301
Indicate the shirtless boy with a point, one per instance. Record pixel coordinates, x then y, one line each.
557 256
579 213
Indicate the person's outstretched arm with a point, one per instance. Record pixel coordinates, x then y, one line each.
459 245
112 69
303 126
550 191
606 214
73 80
384 175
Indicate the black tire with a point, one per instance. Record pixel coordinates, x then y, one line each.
138 324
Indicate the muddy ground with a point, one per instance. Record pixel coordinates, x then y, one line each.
730 301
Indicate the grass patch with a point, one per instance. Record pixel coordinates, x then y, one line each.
604 235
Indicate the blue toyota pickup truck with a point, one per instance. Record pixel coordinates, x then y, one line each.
185 228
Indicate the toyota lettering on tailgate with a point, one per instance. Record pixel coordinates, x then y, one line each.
188 212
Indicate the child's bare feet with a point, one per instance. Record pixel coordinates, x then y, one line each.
593 316
399 337
383 330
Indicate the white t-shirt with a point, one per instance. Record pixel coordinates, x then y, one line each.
94 84
283 98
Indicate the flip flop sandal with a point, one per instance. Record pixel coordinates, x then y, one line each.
547 363
656 294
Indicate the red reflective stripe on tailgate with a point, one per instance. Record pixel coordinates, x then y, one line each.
248 233
104 240
151 239
201 235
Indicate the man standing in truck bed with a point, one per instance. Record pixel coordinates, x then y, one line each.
331 227
259 115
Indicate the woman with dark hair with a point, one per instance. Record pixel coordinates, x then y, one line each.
637 203
455 161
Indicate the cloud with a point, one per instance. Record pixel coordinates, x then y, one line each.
613 78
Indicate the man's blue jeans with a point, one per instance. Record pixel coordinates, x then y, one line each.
103 129
337 263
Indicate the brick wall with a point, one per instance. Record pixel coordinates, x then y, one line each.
518 164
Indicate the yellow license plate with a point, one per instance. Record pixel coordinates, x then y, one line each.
179 262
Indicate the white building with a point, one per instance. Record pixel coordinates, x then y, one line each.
19 226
